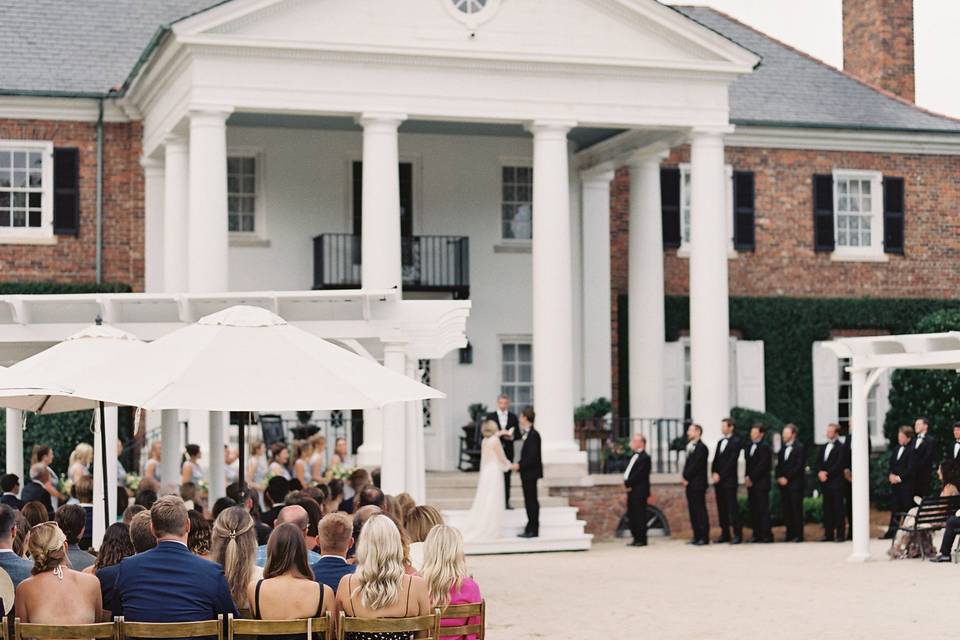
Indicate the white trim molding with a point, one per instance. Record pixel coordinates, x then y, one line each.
50 108
947 144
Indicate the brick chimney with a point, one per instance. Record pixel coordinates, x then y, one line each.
878 44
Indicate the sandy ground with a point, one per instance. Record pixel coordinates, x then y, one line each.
671 590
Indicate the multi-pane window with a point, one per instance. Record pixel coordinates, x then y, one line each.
426 407
844 400
23 187
242 194
858 211
517 203
516 378
686 191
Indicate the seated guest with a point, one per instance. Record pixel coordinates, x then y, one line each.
336 538
10 484
188 493
297 515
334 497
371 494
145 498
20 539
318 492
55 593
277 489
35 512
71 519
83 490
405 542
949 473
141 532
250 500
314 513
221 505
392 507
405 502
16 567
115 547
418 523
234 549
445 572
131 511
358 479
168 583
198 540
379 588
287 590
36 489
359 519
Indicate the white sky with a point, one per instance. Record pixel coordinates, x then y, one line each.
814 26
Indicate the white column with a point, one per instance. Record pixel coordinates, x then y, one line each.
216 474
416 479
392 469
176 200
370 453
860 449
152 224
171 448
645 282
552 294
14 426
595 234
110 431
208 238
709 314
380 224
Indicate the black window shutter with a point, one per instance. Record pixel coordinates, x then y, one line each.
670 206
823 212
66 191
893 210
743 211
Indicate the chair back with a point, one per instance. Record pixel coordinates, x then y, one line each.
204 629
466 611
306 627
103 630
934 511
417 624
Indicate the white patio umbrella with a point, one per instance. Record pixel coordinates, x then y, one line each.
248 359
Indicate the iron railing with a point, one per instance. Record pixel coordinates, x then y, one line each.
428 263
606 442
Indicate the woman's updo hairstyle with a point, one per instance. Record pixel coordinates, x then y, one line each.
45 544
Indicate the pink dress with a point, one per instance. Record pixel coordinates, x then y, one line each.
469 593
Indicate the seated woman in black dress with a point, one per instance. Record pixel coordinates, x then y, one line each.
287 590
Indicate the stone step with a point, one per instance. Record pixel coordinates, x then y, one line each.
518 517
529 545
559 531
516 501
469 492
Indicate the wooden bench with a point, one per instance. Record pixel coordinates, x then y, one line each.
414 625
102 631
932 515
159 630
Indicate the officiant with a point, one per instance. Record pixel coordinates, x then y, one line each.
509 431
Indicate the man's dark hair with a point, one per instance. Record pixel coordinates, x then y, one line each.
221 505
759 427
529 414
146 498
9 481
371 495
730 422
8 520
311 506
140 534
71 519
697 427
277 489
956 425
908 431
924 420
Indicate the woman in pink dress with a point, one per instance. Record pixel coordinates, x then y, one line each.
445 572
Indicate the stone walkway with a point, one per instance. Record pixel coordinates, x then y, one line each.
670 590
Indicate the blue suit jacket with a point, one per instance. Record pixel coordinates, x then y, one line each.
170 584
108 582
329 569
18 568
11 501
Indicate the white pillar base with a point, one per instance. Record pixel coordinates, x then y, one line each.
370 453
14 426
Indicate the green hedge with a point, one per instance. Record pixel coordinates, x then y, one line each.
47 288
812 509
789 327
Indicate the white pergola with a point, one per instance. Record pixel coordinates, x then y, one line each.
869 358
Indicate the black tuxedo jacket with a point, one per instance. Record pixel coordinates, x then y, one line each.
905 467
513 426
34 492
695 467
923 454
759 464
834 464
947 451
792 467
11 501
725 464
531 464
639 478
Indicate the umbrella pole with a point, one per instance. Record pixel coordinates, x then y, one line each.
243 449
103 461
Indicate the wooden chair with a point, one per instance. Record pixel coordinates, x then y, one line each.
466 611
430 624
204 629
103 630
306 627
932 515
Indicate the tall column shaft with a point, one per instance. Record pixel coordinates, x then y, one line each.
860 461
153 188
176 199
370 453
208 237
380 223
709 306
595 233
416 479
171 448
109 425
393 476
14 422
216 475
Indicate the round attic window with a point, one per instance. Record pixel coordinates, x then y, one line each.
469 7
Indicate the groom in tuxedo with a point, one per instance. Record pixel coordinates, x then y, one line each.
531 470
509 432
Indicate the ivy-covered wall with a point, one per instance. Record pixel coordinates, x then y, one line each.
789 327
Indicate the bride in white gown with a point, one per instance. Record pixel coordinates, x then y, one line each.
485 519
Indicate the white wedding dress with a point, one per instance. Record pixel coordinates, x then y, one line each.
485 519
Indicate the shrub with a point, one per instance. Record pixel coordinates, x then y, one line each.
746 418
813 510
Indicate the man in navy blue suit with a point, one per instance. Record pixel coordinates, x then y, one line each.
336 538
10 484
169 583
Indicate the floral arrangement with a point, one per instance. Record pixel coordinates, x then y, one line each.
132 482
341 473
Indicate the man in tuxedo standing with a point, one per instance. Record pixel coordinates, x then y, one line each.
695 484
637 481
759 458
36 489
924 446
509 432
902 471
790 477
10 484
724 469
952 451
531 470
831 460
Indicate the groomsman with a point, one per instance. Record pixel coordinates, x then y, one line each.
790 477
724 469
924 446
759 458
831 460
952 451
509 432
637 481
531 470
695 484
902 471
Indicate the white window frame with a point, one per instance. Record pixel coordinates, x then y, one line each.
259 232
875 250
875 404
514 340
505 162
44 233
685 211
687 377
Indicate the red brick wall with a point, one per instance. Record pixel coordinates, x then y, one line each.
73 259
878 44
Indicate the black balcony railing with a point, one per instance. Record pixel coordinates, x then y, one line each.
429 263
606 442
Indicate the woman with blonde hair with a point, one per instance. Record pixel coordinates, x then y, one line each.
80 461
152 468
302 450
418 523
55 593
379 588
319 458
445 572
234 547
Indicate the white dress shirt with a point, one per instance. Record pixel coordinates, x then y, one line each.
753 449
633 460
502 418
826 452
723 444
900 452
787 450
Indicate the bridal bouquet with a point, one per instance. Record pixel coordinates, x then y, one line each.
341 473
